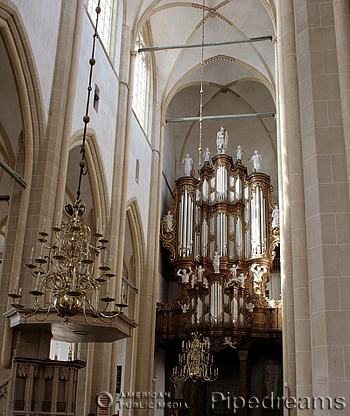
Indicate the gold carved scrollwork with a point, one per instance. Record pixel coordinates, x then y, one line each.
261 185
190 190
167 237
274 242
258 300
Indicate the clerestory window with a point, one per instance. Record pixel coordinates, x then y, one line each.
105 19
141 87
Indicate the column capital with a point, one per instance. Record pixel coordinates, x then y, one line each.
243 354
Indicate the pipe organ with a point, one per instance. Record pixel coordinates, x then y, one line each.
221 240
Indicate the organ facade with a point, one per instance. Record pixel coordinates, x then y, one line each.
222 233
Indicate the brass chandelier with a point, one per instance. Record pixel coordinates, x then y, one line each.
71 277
195 362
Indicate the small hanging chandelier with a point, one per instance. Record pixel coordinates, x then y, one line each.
70 278
195 361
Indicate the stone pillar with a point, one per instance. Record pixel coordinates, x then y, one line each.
106 372
320 48
243 379
297 203
342 36
47 168
120 174
67 130
149 284
288 333
43 187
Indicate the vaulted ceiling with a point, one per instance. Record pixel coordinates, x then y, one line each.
237 78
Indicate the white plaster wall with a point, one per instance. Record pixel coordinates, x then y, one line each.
41 21
169 162
162 289
102 123
119 33
140 149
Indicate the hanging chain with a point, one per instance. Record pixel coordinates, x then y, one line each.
201 94
86 118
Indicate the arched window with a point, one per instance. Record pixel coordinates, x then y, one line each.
141 81
105 20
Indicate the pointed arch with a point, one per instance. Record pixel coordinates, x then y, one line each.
138 241
33 118
134 216
97 173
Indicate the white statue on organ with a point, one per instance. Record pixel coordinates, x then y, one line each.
255 159
240 279
169 222
275 217
188 162
200 272
258 272
239 152
216 262
206 155
222 140
233 271
185 274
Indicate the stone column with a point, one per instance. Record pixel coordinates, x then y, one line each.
48 165
324 145
106 354
243 379
342 36
148 292
120 174
67 130
288 333
43 189
297 207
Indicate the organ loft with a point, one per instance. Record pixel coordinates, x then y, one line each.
222 233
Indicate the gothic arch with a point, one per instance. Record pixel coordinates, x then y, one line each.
134 219
33 119
96 173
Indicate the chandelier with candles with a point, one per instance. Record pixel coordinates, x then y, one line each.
72 270
195 362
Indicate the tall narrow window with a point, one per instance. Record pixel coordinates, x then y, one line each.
139 99
104 21
118 384
137 171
